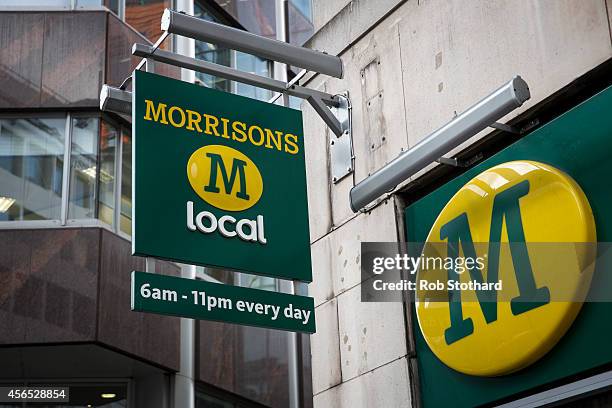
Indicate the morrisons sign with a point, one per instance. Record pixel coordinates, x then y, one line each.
502 215
219 180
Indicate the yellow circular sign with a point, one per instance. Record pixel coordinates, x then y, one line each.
224 177
531 230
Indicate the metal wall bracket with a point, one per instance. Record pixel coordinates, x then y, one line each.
514 129
454 162
505 128
115 100
166 57
341 146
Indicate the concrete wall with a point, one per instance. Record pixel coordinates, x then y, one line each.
409 66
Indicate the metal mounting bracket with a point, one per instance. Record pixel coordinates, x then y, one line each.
181 24
505 128
341 146
454 162
514 129
326 114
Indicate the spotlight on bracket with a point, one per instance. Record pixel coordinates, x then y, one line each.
115 100
480 116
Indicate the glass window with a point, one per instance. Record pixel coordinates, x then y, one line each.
240 279
83 168
109 145
254 65
203 400
31 168
215 274
300 21
37 3
211 53
295 102
256 16
304 7
224 56
125 219
88 3
257 282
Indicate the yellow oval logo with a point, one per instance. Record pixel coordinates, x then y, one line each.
524 222
225 178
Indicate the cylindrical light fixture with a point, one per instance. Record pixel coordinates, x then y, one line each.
115 100
240 40
484 113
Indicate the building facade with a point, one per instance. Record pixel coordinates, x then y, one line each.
65 218
410 67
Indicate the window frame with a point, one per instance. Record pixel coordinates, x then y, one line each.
68 161
13 224
220 16
64 221
69 5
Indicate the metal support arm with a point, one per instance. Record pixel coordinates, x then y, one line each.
326 114
116 100
193 27
145 51
505 128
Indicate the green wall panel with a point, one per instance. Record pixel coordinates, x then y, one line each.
580 143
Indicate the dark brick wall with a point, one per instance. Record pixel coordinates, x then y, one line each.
48 285
51 59
248 361
148 336
73 285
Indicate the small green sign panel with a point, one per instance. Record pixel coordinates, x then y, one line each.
197 299
219 180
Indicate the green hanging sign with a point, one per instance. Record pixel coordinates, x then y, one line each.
219 180
198 299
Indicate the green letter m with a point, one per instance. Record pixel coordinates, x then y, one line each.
457 232
216 163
